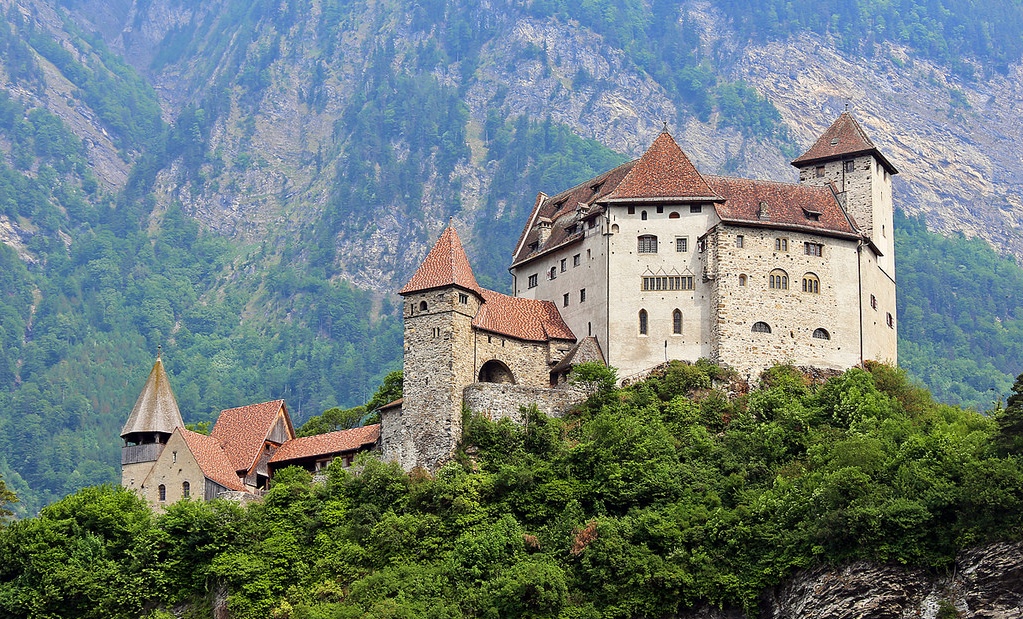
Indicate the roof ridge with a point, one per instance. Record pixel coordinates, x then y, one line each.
445 265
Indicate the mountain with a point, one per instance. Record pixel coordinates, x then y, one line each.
247 183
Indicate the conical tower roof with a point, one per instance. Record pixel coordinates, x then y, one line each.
664 171
445 265
844 138
156 409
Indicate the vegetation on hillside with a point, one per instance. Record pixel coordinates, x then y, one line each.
667 494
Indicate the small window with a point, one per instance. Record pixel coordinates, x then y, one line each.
811 284
701 245
564 300
642 325
422 306
819 171
891 321
582 295
673 215
660 210
463 298
681 244
632 210
553 273
813 249
589 329
821 334
647 244
575 260
779 280
781 244
676 322
742 280
186 490
162 489
696 208
532 281
564 264
174 457
873 302
740 241
850 165
642 215
761 327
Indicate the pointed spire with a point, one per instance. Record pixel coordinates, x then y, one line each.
664 171
156 409
445 265
844 138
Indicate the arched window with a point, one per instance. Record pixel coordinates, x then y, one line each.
186 490
422 306
647 244
761 327
163 492
676 322
643 215
779 280
821 334
553 273
742 280
673 215
614 229
811 284
642 322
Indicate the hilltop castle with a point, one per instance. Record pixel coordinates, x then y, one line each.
653 261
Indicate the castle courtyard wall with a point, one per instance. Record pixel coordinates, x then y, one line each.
500 401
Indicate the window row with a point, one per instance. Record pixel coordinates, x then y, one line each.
778 279
763 327
667 282
676 322
582 297
693 208
186 490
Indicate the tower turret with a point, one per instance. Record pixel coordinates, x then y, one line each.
152 421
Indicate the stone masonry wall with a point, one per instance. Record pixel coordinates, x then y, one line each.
497 401
529 362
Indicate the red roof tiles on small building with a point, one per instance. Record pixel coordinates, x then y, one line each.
781 205
663 172
329 444
445 265
844 138
212 460
242 431
525 319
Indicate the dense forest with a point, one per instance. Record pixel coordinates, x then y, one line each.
674 492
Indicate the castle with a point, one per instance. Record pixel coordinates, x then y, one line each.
648 262
653 261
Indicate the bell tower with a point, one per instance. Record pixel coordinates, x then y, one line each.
151 423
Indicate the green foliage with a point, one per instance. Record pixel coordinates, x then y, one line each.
6 498
332 420
1010 421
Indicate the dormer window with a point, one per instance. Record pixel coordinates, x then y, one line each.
812 215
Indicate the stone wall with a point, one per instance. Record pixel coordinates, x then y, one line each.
496 401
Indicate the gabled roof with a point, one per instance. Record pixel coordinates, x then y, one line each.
844 138
243 430
586 351
156 409
445 265
663 172
525 319
212 459
329 444
781 205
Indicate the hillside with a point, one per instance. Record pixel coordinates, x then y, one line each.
247 183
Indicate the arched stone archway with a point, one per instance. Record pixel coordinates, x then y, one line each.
494 371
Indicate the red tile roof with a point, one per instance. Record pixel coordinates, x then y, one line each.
212 460
329 444
243 430
844 138
786 205
663 172
525 319
445 265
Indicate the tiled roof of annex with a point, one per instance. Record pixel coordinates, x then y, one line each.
781 205
212 459
331 443
242 431
445 265
844 138
525 319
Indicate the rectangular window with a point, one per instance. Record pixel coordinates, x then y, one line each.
565 300
655 283
813 249
564 264
819 171
632 210
463 298
850 166
701 245
660 209
532 281
575 260
781 244
873 302
647 244
739 240
681 244
582 295
891 321
696 208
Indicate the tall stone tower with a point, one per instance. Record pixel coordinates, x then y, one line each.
440 302
150 425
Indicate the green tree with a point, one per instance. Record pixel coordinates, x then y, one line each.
6 498
1009 438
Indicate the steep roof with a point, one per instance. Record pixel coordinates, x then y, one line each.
663 172
328 444
525 319
785 205
212 459
243 430
156 409
586 351
844 138
445 265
